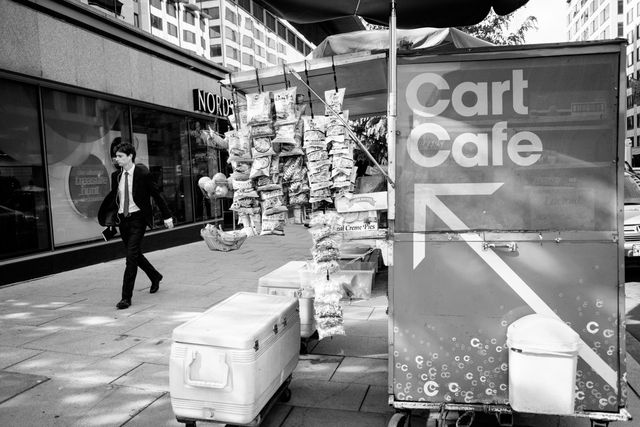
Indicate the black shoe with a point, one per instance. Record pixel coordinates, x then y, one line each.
125 303
155 285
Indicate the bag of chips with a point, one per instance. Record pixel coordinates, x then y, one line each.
285 105
262 146
258 108
239 145
334 99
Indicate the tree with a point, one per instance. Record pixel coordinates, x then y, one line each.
372 131
495 29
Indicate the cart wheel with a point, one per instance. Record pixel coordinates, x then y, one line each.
190 424
285 396
400 419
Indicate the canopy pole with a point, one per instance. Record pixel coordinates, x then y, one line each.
346 125
392 109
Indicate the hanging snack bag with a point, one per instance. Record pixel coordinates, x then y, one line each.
260 167
273 224
263 129
258 108
285 105
291 166
239 146
314 129
273 202
240 170
334 99
335 130
262 146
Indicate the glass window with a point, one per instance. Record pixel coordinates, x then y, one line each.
247 59
231 35
163 147
271 43
136 20
213 12
172 29
157 4
245 4
271 58
282 30
629 122
24 224
248 24
259 35
299 45
188 36
189 17
230 15
231 52
171 9
214 31
258 12
156 22
215 50
270 21
291 38
281 48
206 160
203 23
247 41
80 133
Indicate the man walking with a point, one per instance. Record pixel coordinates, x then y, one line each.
134 187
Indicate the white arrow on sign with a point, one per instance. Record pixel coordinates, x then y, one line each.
426 195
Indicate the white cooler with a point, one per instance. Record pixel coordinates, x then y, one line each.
227 363
285 280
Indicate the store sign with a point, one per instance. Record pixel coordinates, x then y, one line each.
88 186
211 103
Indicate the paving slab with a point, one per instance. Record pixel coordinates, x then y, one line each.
313 417
80 368
362 370
152 350
12 355
377 400
85 343
14 383
353 345
314 366
326 394
146 376
30 316
18 335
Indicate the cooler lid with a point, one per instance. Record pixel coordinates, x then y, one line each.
286 276
238 321
539 333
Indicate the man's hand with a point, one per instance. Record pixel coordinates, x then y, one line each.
168 223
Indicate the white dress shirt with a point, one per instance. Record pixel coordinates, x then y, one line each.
132 205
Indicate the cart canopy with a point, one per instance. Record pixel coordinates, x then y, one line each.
419 38
363 72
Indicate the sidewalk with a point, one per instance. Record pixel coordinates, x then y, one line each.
69 358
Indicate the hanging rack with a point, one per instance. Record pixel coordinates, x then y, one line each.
284 75
335 76
343 121
306 73
260 89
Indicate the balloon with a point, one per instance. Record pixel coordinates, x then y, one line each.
203 181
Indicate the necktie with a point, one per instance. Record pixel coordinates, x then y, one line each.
125 209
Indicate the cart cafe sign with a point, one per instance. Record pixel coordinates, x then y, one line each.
211 103
523 148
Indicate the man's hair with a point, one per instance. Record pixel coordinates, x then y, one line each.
126 148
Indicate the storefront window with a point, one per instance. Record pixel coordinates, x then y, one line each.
24 225
206 160
80 133
163 146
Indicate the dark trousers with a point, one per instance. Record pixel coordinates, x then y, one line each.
132 230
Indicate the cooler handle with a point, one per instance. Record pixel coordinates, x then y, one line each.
217 369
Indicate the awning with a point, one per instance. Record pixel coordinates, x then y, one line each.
410 13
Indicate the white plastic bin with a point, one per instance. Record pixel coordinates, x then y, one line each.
543 354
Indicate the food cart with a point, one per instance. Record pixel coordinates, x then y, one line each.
506 285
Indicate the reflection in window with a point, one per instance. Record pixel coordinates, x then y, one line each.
79 134
24 227
163 138
206 161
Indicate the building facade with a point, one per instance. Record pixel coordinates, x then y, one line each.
239 35
606 19
74 85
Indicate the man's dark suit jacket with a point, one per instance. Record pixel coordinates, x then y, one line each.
144 188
